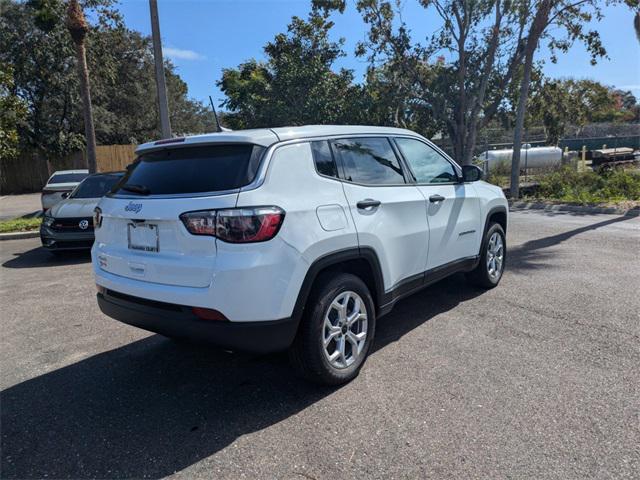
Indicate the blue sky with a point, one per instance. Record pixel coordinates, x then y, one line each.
203 37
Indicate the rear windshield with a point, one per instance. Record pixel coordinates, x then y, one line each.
68 178
95 186
209 168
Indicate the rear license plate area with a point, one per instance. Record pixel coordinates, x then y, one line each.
143 237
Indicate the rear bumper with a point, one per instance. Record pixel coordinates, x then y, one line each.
179 321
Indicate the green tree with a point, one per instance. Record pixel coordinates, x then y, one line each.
635 6
560 23
482 40
557 104
625 99
12 111
35 42
296 84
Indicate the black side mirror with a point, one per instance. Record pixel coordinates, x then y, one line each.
471 173
65 195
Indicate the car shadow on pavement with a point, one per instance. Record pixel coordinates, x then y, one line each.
40 257
154 407
531 255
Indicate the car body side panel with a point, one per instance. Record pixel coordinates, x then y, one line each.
292 184
455 224
491 199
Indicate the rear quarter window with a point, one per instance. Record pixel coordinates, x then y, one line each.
323 159
202 169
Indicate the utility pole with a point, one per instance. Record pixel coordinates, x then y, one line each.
163 105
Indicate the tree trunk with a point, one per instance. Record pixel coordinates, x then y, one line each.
519 126
471 143
538 26
78 28
85 91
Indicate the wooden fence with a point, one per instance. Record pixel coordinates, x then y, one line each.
112 158
29 171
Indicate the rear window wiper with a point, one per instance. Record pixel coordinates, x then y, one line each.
141 189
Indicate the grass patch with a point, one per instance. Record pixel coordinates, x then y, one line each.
609 187
20 224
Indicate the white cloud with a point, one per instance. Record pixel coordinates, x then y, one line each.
180 54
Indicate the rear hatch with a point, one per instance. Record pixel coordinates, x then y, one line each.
141 235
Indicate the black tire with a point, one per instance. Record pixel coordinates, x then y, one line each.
307 354
480 275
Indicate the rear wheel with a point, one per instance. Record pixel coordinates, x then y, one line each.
336 331
493 256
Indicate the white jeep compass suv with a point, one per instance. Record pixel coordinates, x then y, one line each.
291 238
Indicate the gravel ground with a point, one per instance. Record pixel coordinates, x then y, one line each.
538 378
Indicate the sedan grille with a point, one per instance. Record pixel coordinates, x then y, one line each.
73 224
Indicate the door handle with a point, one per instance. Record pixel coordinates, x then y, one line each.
436 198
368 203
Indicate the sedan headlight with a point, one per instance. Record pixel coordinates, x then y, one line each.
48 220
97 217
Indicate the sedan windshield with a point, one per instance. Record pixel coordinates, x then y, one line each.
96 186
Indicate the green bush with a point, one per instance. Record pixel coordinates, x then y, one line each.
568 185
499 174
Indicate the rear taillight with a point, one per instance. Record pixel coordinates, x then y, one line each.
200 223
236 225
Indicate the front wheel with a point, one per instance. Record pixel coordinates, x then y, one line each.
493 256
336 331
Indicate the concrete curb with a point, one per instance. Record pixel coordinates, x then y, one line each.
586 210
19 235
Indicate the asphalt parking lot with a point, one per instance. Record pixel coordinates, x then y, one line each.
12 206
539 378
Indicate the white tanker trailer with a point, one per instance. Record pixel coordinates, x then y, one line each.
534 157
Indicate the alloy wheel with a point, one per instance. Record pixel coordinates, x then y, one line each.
495 256
345 329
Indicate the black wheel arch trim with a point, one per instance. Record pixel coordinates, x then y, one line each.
498 209
333 259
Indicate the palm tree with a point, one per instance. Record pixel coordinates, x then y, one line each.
78 28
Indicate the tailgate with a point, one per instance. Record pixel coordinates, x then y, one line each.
144 239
